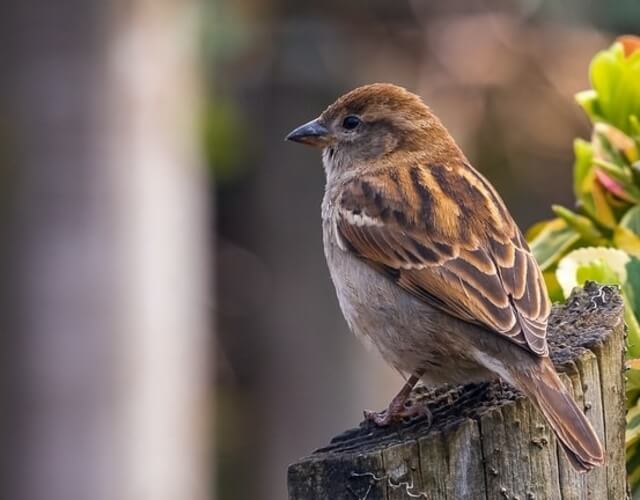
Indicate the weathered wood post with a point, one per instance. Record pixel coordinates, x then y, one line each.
486 441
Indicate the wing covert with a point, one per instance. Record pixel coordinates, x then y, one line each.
475 265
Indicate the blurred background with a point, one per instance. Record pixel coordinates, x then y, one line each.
167 322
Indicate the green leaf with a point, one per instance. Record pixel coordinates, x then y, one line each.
631 220
632 384
603 211
634 123
605 136
632 288
614 78
633 328
590 194
626 240
552 242
633 470
631 295
627 235
632 436
536 229
615 171
609 267
588 100
618 182
623 175
601 264
613 144
583 225
635 170
583 177
553 287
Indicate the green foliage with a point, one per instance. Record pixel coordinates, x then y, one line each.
608 266
600 239
615 96
552 241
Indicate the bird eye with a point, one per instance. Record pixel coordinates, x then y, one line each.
351 122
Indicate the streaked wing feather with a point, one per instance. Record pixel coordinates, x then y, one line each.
487 277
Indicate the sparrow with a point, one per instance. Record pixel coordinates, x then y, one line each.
427 262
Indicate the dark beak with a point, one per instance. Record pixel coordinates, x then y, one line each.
313 133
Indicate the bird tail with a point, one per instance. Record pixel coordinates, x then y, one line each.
575 433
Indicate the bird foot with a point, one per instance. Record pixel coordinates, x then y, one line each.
397 413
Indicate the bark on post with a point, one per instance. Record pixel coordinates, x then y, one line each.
486 441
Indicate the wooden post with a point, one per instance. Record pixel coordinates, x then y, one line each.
486 440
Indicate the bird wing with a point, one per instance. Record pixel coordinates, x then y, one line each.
444 235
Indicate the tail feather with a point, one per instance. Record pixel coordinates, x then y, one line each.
569 423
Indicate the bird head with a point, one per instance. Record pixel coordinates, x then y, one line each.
370 122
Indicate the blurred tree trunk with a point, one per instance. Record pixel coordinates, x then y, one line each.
104 320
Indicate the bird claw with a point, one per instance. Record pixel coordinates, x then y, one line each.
397 414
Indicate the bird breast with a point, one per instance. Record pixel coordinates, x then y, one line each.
408 333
